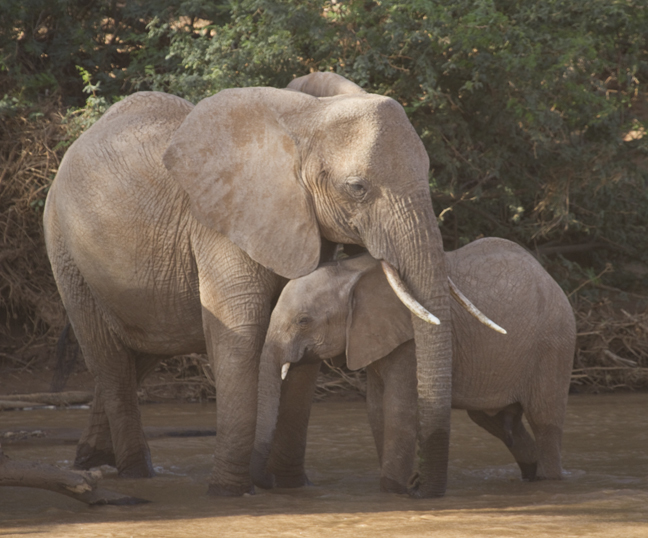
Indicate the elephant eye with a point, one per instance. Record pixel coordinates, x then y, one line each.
356 187
304 321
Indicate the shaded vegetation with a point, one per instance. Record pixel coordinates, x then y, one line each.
533 114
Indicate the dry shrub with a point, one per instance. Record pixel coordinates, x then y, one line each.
186 377
612 348
30 153
338 380
190 377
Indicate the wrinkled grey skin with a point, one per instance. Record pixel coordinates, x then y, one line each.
348 307
171 228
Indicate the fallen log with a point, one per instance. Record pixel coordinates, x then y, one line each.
80 485
59 399
10 405
66 436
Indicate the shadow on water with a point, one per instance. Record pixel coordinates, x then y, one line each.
605 490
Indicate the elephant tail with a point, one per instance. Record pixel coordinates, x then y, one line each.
67 351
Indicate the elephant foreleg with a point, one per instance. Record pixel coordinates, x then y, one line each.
375 411
286 461
234 354
398 409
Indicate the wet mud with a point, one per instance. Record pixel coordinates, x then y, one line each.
604 492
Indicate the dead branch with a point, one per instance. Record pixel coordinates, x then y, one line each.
80 485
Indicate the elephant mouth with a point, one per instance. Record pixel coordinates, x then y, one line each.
306 355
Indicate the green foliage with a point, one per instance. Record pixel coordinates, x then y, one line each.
532 113
523 106
44 41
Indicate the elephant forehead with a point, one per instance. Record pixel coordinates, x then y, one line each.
301 291
362 131
310 292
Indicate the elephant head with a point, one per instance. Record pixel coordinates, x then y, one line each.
275 170
342 309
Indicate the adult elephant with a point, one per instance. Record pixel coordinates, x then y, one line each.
170 229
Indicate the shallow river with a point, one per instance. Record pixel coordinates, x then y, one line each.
605 491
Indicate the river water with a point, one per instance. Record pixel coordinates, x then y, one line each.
604 493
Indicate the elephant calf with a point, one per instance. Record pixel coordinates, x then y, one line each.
347 306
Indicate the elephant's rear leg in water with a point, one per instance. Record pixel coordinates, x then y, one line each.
95 447
507 426
110 362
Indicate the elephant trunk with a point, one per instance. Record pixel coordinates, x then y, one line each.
434 367
268 412
417 254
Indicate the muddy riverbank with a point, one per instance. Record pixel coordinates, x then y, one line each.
604 493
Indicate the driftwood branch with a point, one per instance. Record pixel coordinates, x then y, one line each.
80 485
58 399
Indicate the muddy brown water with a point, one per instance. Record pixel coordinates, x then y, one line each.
604 493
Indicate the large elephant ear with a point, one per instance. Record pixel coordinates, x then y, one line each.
377 321
324 84
237 160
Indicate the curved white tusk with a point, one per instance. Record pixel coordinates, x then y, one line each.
405 296
471 308
284 370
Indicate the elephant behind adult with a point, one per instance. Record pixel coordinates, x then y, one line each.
170 229
348 307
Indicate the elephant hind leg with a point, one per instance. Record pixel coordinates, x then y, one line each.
548 434
117 416
507 426
95 446
114 434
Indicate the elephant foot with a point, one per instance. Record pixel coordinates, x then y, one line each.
216 490
267 480
260 476
137 465
543 475
528 470
417 490
137 471
291 481
88 457
389 485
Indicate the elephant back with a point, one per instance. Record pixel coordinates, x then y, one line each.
509 286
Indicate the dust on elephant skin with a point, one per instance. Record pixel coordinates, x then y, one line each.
171 229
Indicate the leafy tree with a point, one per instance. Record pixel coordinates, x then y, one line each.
531 112
45 42
525 108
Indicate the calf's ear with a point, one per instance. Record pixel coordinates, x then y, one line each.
377 322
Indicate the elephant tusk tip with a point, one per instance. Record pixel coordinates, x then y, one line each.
405 296
284 370
427 317
472 309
